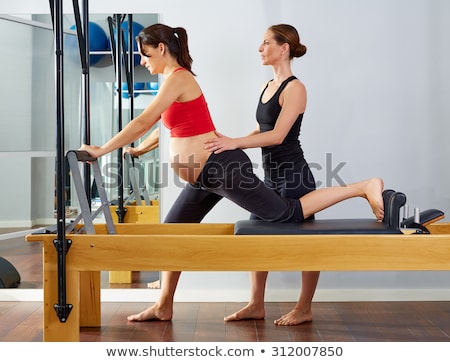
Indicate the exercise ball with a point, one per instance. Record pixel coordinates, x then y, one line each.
136 28
153 87
98 41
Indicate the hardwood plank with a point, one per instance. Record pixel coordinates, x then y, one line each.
201 322
29 329
182 327
327 325
17 318
210 325
267 331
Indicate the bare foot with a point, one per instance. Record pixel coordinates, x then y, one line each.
155 312
374 195
154 285
248 312
293 318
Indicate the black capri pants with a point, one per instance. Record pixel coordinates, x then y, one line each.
230 174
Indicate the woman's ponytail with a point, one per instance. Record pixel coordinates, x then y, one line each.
183 56
175 39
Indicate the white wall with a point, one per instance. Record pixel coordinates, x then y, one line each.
378 84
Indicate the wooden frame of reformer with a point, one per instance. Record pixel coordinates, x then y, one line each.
214 247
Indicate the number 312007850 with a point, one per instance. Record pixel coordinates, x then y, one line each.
307 351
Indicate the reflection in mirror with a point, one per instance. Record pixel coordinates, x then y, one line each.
29 127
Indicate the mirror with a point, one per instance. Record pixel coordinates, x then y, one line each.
29 127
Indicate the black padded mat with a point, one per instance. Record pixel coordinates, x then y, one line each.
326 226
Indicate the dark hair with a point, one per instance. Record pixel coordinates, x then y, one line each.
175 39
284 33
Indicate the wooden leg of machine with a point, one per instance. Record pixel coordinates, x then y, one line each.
54 329
136 214
120 277
90 306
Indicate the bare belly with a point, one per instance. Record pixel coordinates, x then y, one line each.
188 156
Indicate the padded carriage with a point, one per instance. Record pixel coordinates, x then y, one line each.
393 202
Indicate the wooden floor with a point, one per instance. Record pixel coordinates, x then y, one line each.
203 322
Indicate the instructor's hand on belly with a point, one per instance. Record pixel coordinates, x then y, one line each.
220 143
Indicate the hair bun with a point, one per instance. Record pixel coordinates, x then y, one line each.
300 51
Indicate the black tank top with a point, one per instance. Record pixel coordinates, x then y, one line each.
279 160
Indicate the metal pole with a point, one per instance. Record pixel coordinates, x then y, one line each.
61 244
86 98
131 63
120 211
82 27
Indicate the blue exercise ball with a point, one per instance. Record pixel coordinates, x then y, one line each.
136 28
98 41
152 87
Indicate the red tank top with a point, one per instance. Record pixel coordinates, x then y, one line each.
186 119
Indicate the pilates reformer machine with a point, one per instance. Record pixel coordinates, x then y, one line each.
72 261
413 243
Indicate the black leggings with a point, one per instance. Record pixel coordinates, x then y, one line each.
293 183
230 174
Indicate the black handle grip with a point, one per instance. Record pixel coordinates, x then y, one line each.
82 156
